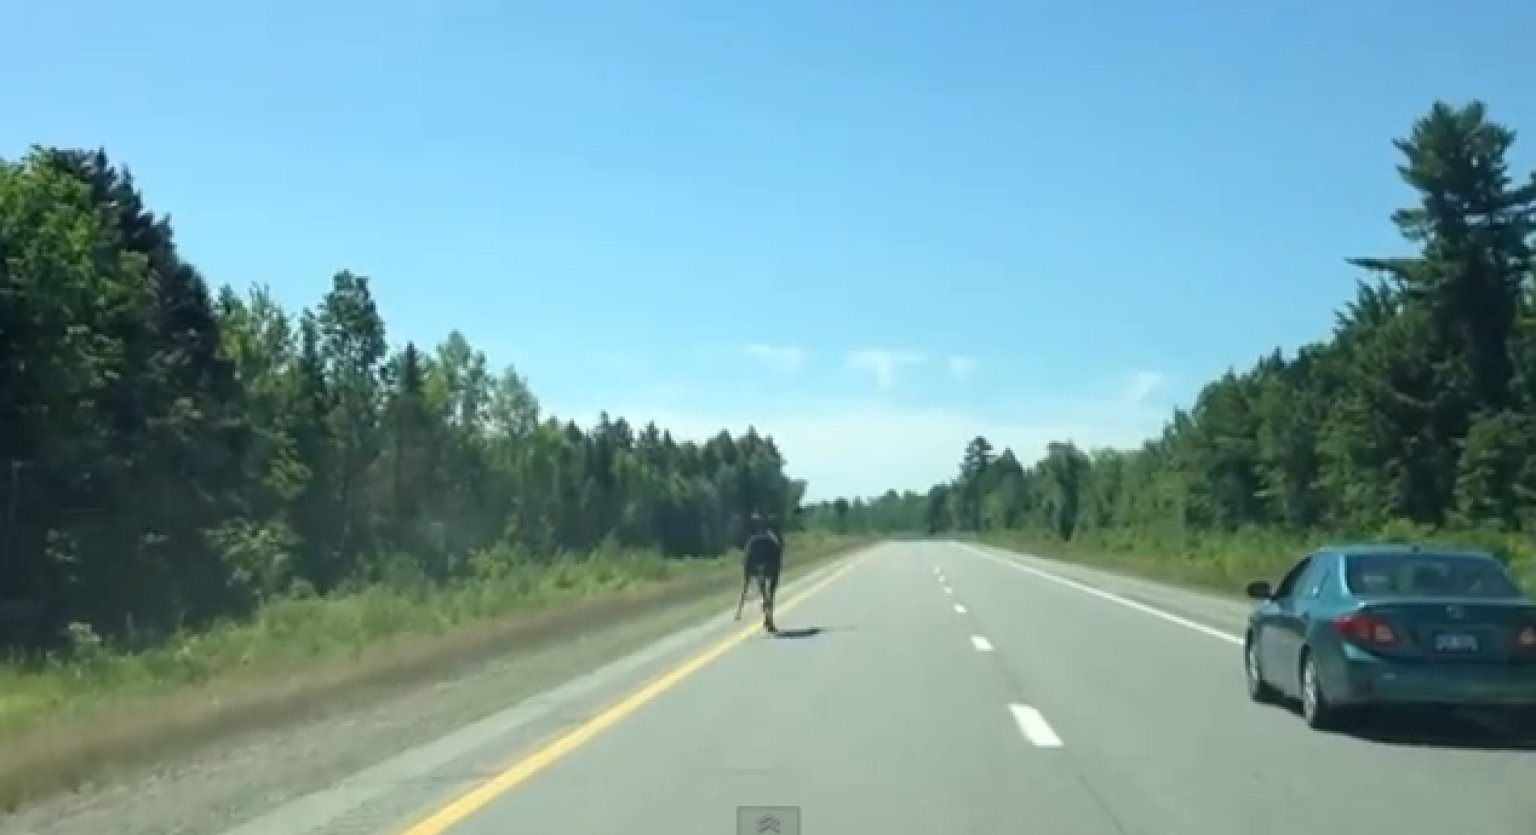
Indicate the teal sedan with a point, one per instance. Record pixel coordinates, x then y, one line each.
1360 626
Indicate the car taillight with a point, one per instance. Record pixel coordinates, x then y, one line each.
1365 629
1526 640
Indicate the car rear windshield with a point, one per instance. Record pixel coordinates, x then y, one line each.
1427 575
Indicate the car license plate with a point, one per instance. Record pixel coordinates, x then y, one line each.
1455 642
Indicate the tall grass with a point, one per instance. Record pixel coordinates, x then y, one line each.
300 631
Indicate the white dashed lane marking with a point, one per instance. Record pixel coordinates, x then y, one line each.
1034 727
1031 724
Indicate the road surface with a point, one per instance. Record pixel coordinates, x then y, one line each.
945 688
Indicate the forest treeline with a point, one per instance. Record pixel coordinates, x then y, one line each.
1417 417
171 456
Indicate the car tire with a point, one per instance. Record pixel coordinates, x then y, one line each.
1316 710
1259 690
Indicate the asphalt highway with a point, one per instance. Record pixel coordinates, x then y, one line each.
945 688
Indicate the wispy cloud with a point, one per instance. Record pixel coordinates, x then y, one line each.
862 447
1140 386
961 367
882 365
786 360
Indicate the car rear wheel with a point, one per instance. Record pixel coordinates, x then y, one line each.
1319 713
1259 690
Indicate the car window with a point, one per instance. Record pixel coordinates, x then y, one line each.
1428 575
1330 588
1306 581
1288 583
1315 580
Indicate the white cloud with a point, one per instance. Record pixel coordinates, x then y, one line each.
882 364
1141 386
785 360
863 446
961 367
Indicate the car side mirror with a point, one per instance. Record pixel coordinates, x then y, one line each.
1259 590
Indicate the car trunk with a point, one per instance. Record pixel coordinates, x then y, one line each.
1456 630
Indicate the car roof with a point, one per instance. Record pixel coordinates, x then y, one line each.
1404 549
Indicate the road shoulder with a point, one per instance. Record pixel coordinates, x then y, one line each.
244 778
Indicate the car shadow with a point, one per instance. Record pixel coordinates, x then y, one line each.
1465 729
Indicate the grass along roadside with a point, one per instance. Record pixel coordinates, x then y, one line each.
1225 563
64 724
1193 568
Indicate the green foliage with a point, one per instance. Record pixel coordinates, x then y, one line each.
174 462
303 637
1414 420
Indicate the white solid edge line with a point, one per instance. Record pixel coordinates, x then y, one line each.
1111 597
959 610
981 643
1034 727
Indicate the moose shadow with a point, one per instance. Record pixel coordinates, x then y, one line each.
807 631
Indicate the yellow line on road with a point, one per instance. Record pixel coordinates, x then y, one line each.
479 797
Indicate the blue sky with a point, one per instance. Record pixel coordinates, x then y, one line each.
874 228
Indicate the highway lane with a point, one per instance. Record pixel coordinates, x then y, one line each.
951 690
1155 717
887 721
